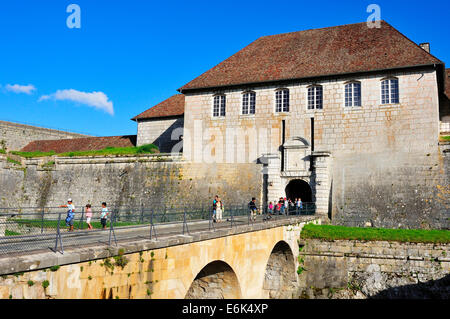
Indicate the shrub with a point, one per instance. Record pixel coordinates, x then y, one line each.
45 284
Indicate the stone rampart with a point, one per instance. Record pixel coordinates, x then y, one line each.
126 182
14 136
357 269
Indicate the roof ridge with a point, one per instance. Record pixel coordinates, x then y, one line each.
316 29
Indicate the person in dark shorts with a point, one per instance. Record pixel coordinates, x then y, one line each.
253 208
104 215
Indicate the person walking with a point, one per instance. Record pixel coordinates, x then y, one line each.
281 206
104 215
270 211
214 208
299 205
89 216
253 208
70 214
278 208
219 210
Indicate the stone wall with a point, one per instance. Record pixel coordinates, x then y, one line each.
152 181
16 136
356 269
159 132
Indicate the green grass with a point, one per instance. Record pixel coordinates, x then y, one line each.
330 232
2 151
33 154
13 161
445 138
48 164
144 149
11 233
54 223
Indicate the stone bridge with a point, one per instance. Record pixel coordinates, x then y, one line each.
246 261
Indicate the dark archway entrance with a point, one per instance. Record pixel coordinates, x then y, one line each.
298 188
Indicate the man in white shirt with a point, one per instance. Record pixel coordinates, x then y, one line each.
70 213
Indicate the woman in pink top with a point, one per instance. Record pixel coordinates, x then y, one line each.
88 215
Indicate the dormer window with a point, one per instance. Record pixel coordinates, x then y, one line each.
315 97
248 103
282 100
219 105
353 94
389 91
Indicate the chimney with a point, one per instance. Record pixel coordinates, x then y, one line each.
425 46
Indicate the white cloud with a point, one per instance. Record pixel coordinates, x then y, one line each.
99 100
16 88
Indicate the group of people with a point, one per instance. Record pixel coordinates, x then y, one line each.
284 205
71 215
218 209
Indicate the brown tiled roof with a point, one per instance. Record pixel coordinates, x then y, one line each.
320 52
80 144
173 106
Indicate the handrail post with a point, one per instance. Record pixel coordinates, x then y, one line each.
211 221
58 235
111 229
81 219
231 219
152 227
184 222
42 221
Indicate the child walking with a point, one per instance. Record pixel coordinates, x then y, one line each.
89 216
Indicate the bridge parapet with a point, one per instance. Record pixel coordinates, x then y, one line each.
22 262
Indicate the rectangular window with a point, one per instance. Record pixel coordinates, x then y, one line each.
282 100
249 103
315 97
353 94
389 91
219 105
252 103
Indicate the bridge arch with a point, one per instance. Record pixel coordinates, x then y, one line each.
217 280
280 276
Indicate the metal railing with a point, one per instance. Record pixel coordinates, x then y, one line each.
28 229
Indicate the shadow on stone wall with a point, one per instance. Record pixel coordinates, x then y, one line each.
433 289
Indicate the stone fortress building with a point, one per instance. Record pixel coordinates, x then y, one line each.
347 117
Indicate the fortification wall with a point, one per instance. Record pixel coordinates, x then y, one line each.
393 190
15 135
356 270
126 181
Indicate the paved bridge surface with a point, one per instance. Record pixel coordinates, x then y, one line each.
248 260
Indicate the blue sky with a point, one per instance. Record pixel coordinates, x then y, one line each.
136 53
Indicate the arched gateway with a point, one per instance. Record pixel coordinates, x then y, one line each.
298 188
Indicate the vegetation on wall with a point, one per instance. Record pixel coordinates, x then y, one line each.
144 149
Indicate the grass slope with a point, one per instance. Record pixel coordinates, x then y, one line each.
330 232
144 149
